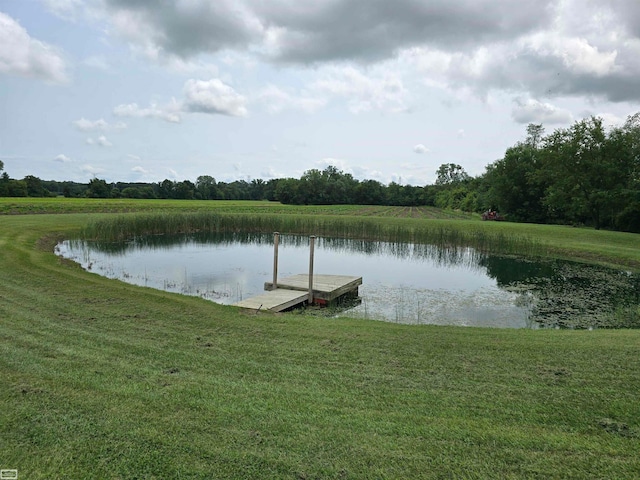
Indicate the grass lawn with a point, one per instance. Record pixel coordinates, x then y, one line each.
101 379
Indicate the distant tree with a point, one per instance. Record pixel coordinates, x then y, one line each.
4 185
394 194
535 135
312 188
73 189
4 182
130 192
147 192
453 188
206 188
257 189
287 191
625 146
340 186
451 197
587 175
328 187
370 192
98 188
269 192
428 195
165 189
184 190
16 188
450 173
515 186
35 187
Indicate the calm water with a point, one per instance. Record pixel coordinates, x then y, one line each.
401 282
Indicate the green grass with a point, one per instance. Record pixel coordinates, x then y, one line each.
106 380
18 206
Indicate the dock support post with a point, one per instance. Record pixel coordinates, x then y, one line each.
276 239
312 239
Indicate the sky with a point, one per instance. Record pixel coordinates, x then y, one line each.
147 90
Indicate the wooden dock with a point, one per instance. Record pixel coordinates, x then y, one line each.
294 290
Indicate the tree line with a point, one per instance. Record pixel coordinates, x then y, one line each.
582 175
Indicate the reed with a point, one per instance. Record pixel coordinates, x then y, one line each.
440 233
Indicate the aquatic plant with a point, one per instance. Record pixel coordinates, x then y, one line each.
401 231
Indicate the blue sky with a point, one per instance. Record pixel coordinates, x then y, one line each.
145 90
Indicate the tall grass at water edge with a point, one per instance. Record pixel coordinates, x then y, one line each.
440 233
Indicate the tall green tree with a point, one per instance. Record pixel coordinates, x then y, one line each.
625 146
287 191
4 181
206 187
450 173
98 188
370 192
35 187
587 176
184 190
514 186
454 188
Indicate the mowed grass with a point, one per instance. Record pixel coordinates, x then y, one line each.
106 380
21 206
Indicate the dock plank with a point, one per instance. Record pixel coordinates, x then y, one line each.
327 287
274 300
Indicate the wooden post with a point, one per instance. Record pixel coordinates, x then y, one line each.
276 239
312 240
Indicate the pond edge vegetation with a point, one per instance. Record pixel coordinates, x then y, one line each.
444 234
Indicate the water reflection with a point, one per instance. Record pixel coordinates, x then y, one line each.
403 283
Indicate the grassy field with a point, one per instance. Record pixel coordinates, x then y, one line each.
106 380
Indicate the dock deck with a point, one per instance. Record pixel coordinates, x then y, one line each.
294 290
274 300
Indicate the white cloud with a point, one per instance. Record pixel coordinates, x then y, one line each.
140 169
101 141
169 113
213 97
64 8
420 149
610 119
91 170
379 90
584 50
22 55
62 159
582 57
340 164
532 111
85 125
200 96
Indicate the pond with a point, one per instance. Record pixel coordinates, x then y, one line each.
404 283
